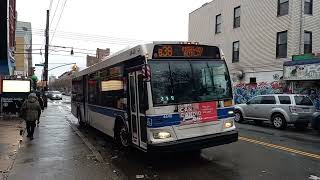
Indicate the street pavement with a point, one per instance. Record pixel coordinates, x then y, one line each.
61 151
9 143
262 152
57 153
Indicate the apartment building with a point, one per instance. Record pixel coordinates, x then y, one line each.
258 36
23 53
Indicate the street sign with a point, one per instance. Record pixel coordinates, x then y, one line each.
39 64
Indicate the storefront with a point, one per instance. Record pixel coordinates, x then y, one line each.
303 77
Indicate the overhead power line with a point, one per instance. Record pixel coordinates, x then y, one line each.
54 14
100 40
56 46
55 54
41 31
54 32
55 50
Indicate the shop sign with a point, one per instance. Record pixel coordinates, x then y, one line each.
302 57
302 72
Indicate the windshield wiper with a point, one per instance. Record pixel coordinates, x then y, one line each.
171 89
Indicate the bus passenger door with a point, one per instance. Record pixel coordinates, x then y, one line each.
85 99
137 110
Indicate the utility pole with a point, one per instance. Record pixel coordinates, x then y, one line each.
46 58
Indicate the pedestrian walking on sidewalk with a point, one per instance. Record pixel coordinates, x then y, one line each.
40 100
30 111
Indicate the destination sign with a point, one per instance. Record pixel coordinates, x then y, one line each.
185 51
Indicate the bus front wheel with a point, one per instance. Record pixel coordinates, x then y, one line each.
122 135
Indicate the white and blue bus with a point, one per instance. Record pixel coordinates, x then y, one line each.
162 96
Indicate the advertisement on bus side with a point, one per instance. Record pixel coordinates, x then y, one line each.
198 112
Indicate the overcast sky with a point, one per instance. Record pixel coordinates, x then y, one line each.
87 25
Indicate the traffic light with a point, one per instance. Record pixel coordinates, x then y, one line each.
74 67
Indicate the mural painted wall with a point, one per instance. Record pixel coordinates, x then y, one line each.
244 92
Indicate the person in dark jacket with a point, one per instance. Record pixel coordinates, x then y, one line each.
30 111
40 100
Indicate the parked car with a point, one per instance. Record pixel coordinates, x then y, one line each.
280 109
54 95
315 123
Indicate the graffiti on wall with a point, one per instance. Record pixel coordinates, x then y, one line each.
244 92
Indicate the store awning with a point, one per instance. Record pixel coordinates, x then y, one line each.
293 63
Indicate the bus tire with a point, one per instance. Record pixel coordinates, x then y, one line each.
122 137
238 117
80 122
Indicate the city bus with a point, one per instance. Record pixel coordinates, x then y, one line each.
158 97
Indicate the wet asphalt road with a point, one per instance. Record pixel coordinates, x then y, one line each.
262 152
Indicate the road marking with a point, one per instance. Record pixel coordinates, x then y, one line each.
316 156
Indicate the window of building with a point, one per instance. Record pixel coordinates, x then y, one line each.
307 42
284 99
253 80
235 51
282 39
218 23
308 6
236 17
283 7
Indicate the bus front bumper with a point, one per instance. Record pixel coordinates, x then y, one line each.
195 143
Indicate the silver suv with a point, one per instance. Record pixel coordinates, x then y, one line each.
280 109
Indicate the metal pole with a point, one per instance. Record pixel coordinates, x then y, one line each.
46 58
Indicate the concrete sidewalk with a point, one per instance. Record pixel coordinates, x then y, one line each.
57 152
9 143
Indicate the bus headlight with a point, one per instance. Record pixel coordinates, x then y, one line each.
230 112
228 124
161 135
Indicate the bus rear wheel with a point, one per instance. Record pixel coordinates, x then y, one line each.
122 136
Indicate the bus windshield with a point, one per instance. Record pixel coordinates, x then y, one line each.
189 81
